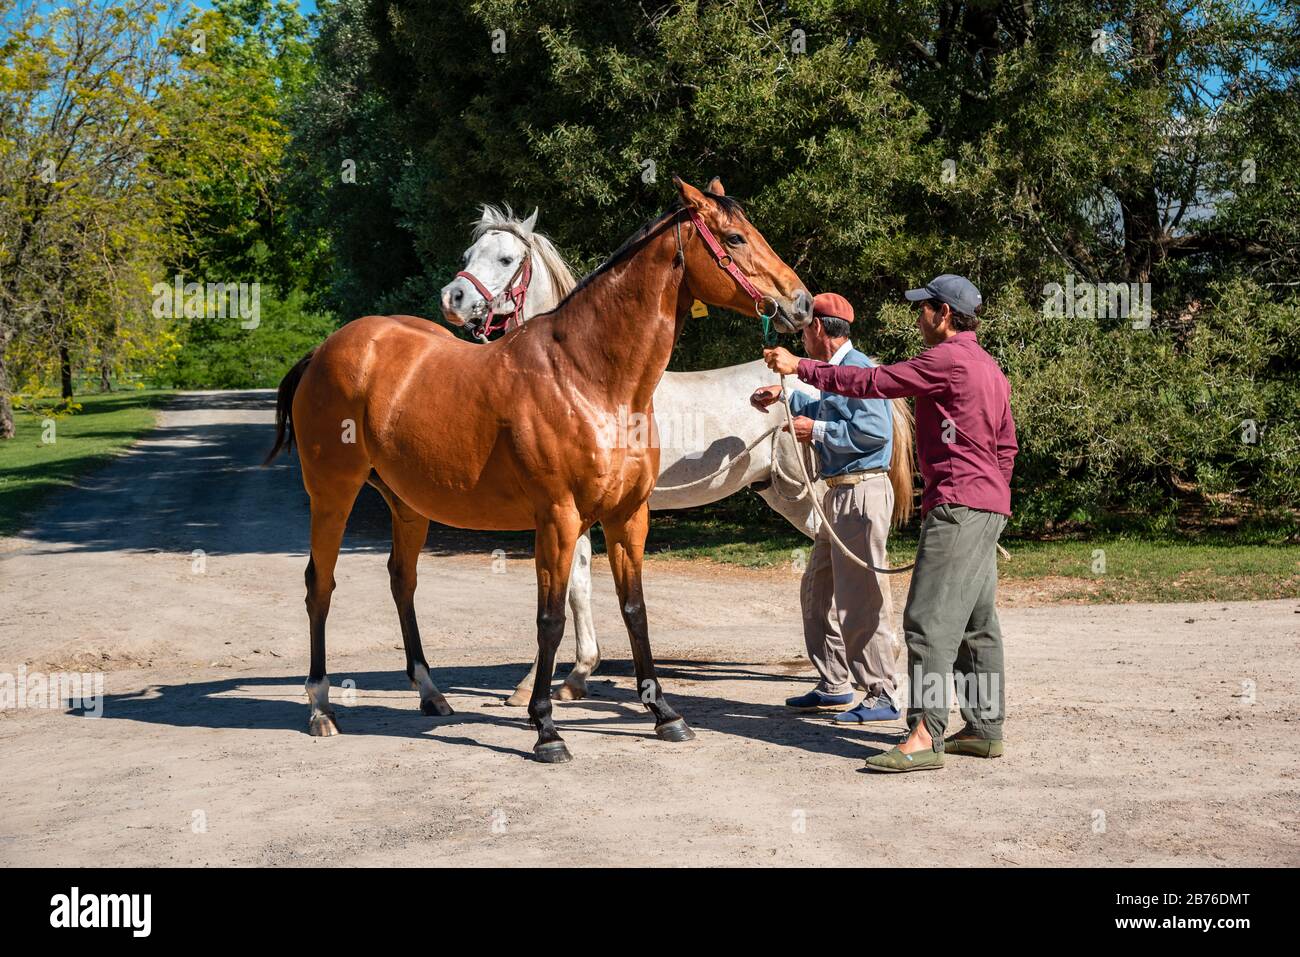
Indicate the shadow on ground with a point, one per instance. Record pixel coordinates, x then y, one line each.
258 703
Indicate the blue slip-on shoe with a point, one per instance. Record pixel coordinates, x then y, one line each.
878 708
819 701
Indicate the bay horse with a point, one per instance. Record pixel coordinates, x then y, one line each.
512 272
521 433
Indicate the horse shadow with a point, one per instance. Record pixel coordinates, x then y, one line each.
277 703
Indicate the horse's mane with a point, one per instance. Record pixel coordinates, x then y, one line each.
731 208
503 219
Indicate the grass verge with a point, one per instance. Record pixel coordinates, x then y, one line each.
32 468
1218 565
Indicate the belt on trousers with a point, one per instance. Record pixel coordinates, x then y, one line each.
853 478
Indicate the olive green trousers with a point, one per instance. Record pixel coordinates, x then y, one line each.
951 623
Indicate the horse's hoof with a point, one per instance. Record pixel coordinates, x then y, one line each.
518 700
436 708
552 752
322 726
675 731
568 692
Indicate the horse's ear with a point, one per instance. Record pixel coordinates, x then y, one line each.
485 214
691 196
528 224
715 187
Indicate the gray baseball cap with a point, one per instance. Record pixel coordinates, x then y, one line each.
957 291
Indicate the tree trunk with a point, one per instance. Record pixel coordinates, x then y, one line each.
65 371
1139 202
105 383
1144 247
6 406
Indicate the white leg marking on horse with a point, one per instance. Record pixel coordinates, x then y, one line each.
424 681
588 655
318 693
321 722
431 699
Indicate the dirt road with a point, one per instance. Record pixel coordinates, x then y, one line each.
1137 734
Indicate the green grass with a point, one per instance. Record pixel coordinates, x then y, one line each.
1217 565
1209 568
31 469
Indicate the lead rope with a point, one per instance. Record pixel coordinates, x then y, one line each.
770 339
722 468
817 505
778 476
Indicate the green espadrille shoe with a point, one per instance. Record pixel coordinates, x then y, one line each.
973 747
896 761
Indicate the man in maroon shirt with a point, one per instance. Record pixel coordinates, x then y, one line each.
966 442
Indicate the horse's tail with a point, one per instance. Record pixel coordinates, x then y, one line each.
900 461
284 408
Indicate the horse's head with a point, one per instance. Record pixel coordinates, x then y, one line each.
498 273
742 246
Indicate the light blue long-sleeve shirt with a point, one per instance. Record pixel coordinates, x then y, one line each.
849 434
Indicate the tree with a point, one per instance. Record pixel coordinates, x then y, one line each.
237 66
79 211
877 143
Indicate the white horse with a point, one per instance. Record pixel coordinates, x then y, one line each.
704 419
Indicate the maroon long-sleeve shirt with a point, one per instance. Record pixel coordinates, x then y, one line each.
965 436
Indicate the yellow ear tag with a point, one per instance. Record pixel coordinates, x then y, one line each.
699 310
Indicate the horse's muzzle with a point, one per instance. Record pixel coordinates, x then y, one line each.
792 317
462 305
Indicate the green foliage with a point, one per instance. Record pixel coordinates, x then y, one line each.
1241 564
221 354
144 141
1115 419
226 139
1016 143
228 112
81 219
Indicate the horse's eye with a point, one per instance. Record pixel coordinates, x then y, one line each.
506 260
735 239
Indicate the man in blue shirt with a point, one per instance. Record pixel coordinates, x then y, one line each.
847 611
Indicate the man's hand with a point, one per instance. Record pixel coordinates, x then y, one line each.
803 429
781 360
764 397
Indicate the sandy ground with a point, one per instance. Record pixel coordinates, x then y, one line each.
1149 735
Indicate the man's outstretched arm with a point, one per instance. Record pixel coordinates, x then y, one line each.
927 374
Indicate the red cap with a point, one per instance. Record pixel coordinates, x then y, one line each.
834 305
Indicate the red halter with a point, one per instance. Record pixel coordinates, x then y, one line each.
515 293
726 264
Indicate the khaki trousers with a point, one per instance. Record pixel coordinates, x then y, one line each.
847 610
